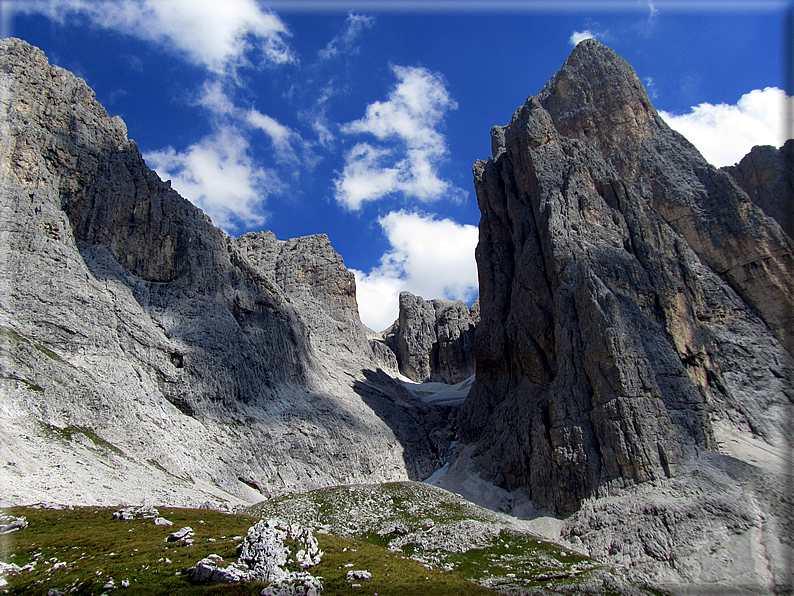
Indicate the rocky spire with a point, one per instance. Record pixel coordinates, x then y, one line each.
633 299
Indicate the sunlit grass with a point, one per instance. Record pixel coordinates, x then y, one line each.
78 551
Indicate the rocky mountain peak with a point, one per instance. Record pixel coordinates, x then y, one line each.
619 275
595 97
433 340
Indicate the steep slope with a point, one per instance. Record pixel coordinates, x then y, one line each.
635 306
147 355
434 340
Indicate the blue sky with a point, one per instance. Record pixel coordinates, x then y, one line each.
361 119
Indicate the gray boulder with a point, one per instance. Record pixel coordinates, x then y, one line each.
267 550
185 534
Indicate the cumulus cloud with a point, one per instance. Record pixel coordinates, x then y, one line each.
287 143
216 35
725 133
218 175
432 258
408 148
345 41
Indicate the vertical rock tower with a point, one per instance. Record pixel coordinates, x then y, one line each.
635 304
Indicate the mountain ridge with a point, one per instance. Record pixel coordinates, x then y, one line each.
130 316
633 378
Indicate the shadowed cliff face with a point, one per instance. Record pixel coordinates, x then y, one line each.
766 174
631 295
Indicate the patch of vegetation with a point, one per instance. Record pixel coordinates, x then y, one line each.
392 573
66 433
30 385
444 533
78 551
10 334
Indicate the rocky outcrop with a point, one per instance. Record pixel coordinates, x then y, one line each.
146 355
434 340
635 306
766 174
268 550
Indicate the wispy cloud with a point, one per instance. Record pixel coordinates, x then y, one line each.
650 87
218 175
647 26
725 133
430 257
408 146
344 43
219 36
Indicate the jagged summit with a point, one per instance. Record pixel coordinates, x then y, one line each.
635 308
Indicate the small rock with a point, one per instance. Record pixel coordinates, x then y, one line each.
297 584
185 533
9 523
361 574
161 521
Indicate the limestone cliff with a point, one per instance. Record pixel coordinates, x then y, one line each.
434 340
146 354
635 305
766 174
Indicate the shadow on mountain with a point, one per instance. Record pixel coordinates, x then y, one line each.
425 431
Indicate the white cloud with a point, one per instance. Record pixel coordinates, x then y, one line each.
578 36
218 175
281 136
354 25
429 257
215 99
409 146
286 141
211 33
725 133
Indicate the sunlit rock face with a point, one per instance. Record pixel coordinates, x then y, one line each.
148 355
433 340
632 296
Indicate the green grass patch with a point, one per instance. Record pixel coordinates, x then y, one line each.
9 334
77 551
392 573
66 433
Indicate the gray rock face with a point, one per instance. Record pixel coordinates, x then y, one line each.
632 318
620 277
766 174
194 366
434 340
